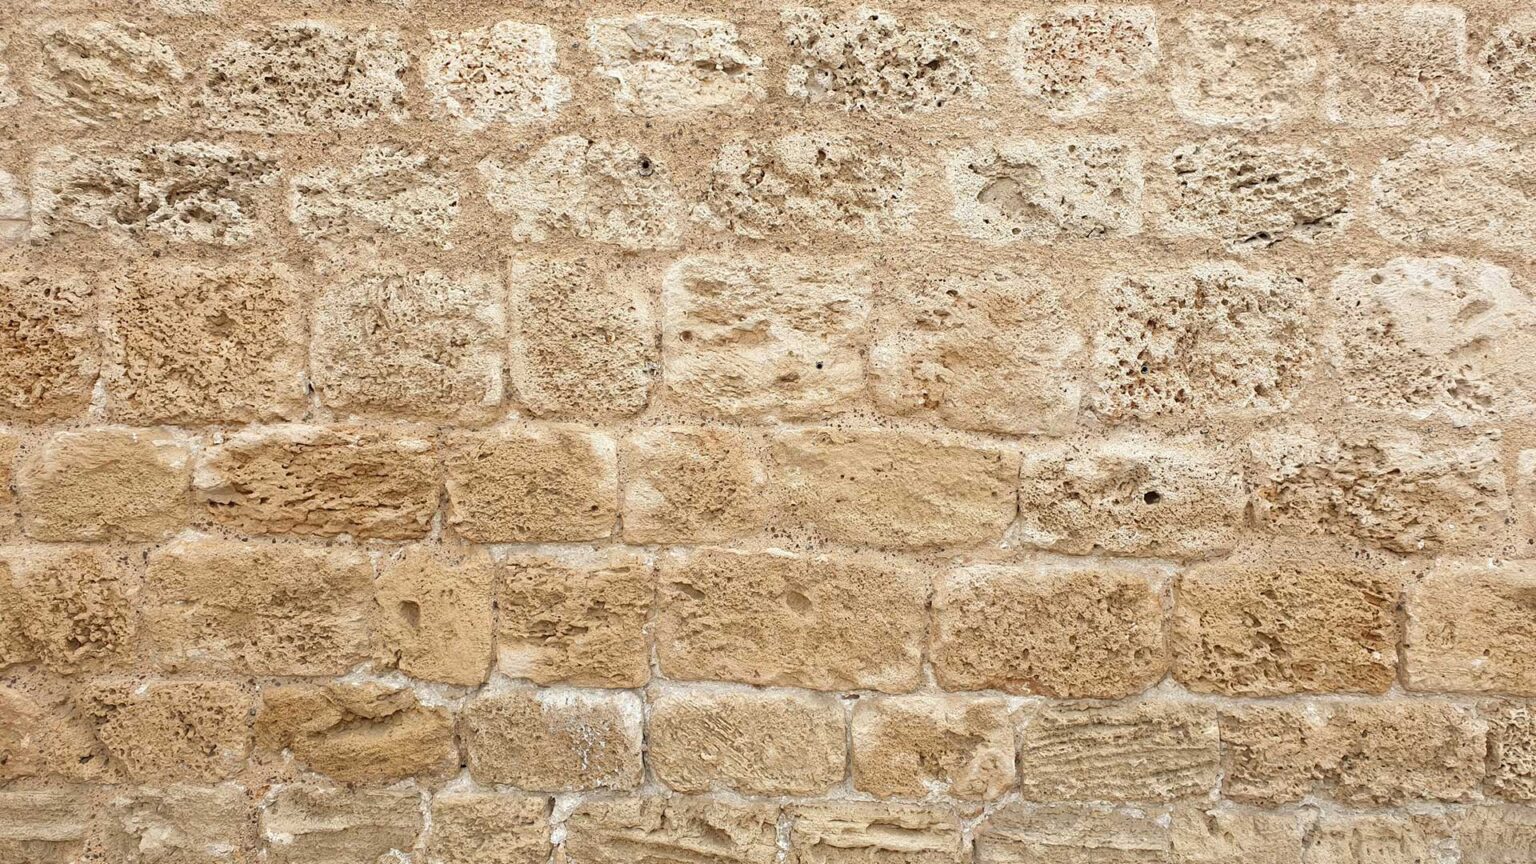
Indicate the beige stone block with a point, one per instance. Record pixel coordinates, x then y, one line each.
1506 63
501 73
554 740
826 622
106 72
1267 751
390 341
251 608
694 485
756 742
385 191
43 826
109 483
42 736
193 344
1360 838
1138 751
1066 631
576 617
1245 70
432 614
1219 833
68 607
896 489
668 65
1444 192
1496 835
674 828
1472 628
357 732
48 344
1074 61
180 825
1511 750
532 483
849 832
1024 833
1397 65
1080 188
8 95
488 828
309 824
916 746
15 210
376 483
872 60
165 731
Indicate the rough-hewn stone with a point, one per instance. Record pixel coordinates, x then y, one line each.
477 827
190 824
1072 61
869 60
1397 65
1438 192
109 483
357 733
1472 628
164 731
1142 751
693 485
48 344
850 832
532 483
1242 69
914 746
388 190
307 824
757 742
553 740
619 831
665 65
432 614
67 607
502 73
1047 189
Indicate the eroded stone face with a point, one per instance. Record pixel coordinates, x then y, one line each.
49 352
859 831
503 73
1072 61
1047 189
1470 628
167 731
913 746
1143 751
1508 62
357 733
308 824
1398 65
68 608
673 64
196 825
618 831
1511 750
533 483
105 72
694 485
432 614
47 826
553 740
110 483
474 827
869 60
387 191
1026 833
1440 192
1242 70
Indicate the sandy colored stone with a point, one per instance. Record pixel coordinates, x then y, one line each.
693 485
604 191
1511 750
432 614
1507 63
306 824
1130 495
67 607
8 94
1286 622
1472 628
583 338
43 826
852 832
48 344
894 488
15 210
304 76
108 483
1064 631
1243 69
992 351
1045 189
664 65
501 73
387 191
809 181
44 735
10 448
1434 336
826 622
1397 65
488 828
553 740
191 344
575 617
1267 752
915 746
180 825
756 742
357 733
320 480
1398 490
871 60
392 341
1496 835
1024 833
1440 192
1221 833
165 731
654 828
1138 751
532 483
106 72
253 608
765 338
1350 838
1074 60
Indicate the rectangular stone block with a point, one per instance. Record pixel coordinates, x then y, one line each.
535 483
694 485
432 609
672 828
370 732
307 824
501 73
915 746
1470 628
110 483
181 825
847 832
1079 60
1511 750
489 828
1398 65
1496 835
1219 833
553 740
1455 191
662 65
49 347
1242 70
66 607
870 60
103 72
1358 838
44 826
166 731
1025 833
1041 190
1139 751
383 192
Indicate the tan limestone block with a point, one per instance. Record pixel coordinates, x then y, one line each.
653 828
181 825
848 832
1077 60
1137 751
915 746
489 828
693 485
49 351
553 740
311 824
109 483
1472 628
432 614
70 608
532 483
357 733
165 731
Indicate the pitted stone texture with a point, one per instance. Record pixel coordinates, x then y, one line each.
606 192
1507 63
1065 631
48 344
1073 60
110 483
1349 838
1398 490
184 192
1212 339
1219 833
693 485
503 73
575 617
190 344
10 446
166 731
252 608
66 607
385 192
1441 192
1130 495
43 736
432 614
305 76
44 826
553 740
824 622
852 832
1472 628
583 338
673 64
809 181
416 343
913 746
15 211
1286 622
1511 750
488 828
357 733
1081 188
180 825
654 828
1253 197
764 338
1268 754
1398 65
907 490
1024 833
993 352
1433 336
308 824
534 483
1244 70
1496 835
105 72
756 742
870 60
1138 751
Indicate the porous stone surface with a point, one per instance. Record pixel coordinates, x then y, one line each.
1470 629
65 608
357 733
532 483
1441 192
869 60
1511 750
1073 60
164 731
49 347
389 190
693 485
613 831
1241 69
663 65
105 71
107 483
195 824
912 746
553 740
316 824
1047 189
1397 65
901 834
432 614
503 73
470 827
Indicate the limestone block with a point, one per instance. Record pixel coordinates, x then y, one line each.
693 485
1080 188
1472 628
108 483
432 614
307 824
357 733
553 740
162 731
387 191
1245 70
502 73
624 830
871 60
49 352
1441 192
106 72
1074 60
914 746
756 742
488 828
665 65
68 607
1397 65
532 483
1138 751
848 832
180 825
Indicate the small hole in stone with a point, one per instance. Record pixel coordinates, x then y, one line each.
410 610
1152 497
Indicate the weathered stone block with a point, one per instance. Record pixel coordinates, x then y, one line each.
870 60
848 832
386 191
109 483
180 825
1472 628
1443 192
105 72
357 733
1511 750
1218 833
673 64
1248 70
44 826
1047 189
432 614
15 210
693 485
323 825
502 73
164 731
1397 65
914 746
43 736
532 483
1508 62
554 740
489 828
624 830
757 742
1351 838
1024 833
1140 751
69 608
1073 61
48 344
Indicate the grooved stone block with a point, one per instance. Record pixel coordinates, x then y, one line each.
849 832
621 831
1472 628
432 614
1025 833
553 740
49 353
43 826
1349 838
533 483
480 827
694 485
663 65
914 746
109 483
164 731
357 733
66 607
105 72
1139 751
309 824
